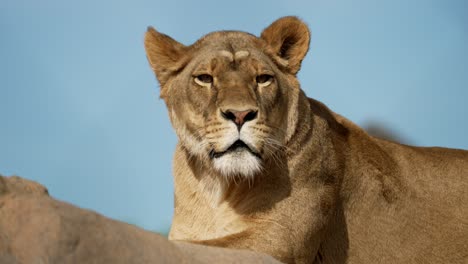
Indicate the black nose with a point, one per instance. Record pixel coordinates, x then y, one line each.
239 117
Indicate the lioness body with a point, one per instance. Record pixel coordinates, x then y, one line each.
261 166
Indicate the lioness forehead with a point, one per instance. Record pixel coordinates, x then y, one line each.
230 41
218 50
236 56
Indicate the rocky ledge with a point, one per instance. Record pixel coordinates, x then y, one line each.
36 228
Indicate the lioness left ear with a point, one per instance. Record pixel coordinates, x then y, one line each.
165 55
288 38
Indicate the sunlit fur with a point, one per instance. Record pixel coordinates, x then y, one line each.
315 188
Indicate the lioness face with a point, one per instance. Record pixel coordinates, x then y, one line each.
227 116
228 96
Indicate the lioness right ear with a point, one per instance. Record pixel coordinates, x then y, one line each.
165 55
288 38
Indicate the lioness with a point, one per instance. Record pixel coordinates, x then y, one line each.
260 166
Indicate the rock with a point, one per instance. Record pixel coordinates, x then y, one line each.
35 228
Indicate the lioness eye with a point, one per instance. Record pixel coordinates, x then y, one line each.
264 79
204 79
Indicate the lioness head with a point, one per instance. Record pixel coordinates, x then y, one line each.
231 96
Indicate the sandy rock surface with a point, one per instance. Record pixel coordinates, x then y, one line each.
35 228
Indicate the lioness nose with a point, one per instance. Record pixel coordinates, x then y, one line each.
239 117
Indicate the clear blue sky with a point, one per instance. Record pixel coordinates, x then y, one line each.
79 107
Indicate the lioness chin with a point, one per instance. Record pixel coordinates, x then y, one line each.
260 166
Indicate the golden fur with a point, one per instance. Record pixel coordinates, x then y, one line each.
303 184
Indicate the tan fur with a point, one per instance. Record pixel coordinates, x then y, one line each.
326 191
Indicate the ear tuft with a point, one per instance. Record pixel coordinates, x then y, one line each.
288 38
165 55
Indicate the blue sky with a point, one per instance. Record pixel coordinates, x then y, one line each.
79 107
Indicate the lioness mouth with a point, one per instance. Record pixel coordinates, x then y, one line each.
237 146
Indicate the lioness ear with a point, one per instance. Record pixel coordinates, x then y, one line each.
165 55
288 38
